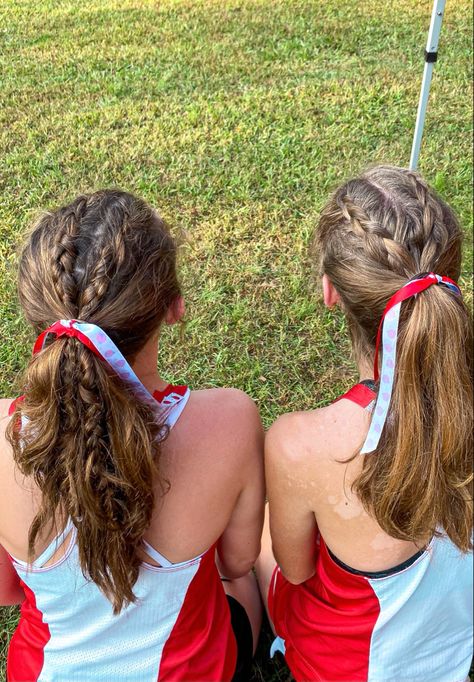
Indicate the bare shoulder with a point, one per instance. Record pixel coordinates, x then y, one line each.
227 407
321 436
226 397
226 424
292 435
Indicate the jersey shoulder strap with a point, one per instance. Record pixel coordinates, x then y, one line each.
13 404
172 401
362 394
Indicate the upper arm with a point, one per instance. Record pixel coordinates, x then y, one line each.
10 589
290 488
239 544
5 462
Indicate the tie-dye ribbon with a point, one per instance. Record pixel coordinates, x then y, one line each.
102 345
387 334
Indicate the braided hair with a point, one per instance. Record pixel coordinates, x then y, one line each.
376 232
89 445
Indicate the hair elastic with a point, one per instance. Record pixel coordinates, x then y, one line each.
387 334
102 345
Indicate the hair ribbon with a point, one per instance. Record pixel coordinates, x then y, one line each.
387 335
102 345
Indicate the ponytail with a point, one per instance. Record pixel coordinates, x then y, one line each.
418 482
80 433
88 445
376 233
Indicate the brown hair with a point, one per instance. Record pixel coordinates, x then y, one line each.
108 259
377 232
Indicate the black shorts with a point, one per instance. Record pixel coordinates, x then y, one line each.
243 634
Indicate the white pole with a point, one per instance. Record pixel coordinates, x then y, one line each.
431 54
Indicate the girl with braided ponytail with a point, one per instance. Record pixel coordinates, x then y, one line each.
103 463
370 498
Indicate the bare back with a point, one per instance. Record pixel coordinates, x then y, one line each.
309 478
212 461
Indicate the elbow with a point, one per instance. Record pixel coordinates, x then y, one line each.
297 578
236 570
234 574
233 567
297 566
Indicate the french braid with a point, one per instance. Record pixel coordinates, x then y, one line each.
375 233
110 261
64 253
90 446
378 241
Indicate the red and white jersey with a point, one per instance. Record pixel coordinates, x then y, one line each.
413 622
178 629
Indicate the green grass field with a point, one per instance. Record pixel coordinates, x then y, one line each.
235 118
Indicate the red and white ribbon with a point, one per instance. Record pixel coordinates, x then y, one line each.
387 334
102 345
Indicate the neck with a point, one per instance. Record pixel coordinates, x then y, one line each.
145 366
366 368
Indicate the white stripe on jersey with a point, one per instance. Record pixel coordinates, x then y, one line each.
426 615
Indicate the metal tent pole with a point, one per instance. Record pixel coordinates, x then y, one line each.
431 55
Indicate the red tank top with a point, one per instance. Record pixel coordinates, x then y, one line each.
412 622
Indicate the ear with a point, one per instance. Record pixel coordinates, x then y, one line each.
330 295
176 311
